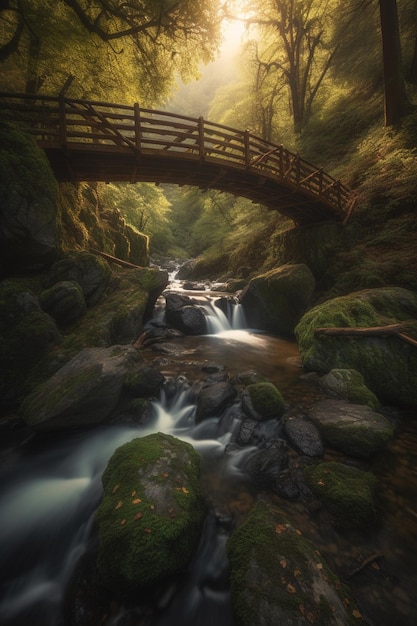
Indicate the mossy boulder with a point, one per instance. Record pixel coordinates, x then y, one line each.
91 272
354 429
26 334
64 301
278 576
263 401
349 385
28 201
348 494
151 515
81 393
275 301
387 363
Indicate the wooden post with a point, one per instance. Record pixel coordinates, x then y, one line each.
201 149
62 121
138 128
246 142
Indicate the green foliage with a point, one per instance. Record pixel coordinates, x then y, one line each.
347 493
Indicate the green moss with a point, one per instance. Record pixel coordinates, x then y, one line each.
152 511
346 492
276 573
24 167
349 385
266 399
387 364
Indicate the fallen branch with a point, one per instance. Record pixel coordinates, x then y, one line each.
372 331
114 259
371 559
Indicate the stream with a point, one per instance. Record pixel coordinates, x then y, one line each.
50 487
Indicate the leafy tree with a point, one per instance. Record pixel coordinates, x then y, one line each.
145 207
129 49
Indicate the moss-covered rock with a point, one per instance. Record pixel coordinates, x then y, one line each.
349 385
64 301
387 363
28 201
91 272
83 392
266 400
354 429
152 512
144 381
348 494
26 334
275 301
278 577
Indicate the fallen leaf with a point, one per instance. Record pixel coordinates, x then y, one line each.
165 475
152 506
138 516
283 563
375 565
321 483
115 488
119 505
319 565
357 614
298 531
297 572
184 490
280 528
291 588
136 501
122 522
148 530
133 493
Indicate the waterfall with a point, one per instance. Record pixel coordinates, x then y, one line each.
218 320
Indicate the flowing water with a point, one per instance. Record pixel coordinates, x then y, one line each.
50 487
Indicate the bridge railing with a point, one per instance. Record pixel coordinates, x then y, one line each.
64 121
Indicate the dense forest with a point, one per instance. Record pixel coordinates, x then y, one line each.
335 83
207 406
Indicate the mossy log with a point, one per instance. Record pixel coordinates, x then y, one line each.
114 259
371 331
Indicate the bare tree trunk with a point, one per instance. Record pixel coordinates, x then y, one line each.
395 99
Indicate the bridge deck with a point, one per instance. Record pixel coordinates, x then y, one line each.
95 141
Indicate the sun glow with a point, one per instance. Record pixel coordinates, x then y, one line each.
233 29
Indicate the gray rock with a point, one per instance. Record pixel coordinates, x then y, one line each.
213 399
143 381
83 392
348 384
353 429
269 467
276 301
303 436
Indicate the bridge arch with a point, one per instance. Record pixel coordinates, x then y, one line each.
99 141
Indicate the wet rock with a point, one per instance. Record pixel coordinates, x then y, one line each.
348 385
269 467
246 431
213 399
184 314
143 381
85 391
64 301
262 400
303 436
353 429
151 516
279 577
275 301
348 494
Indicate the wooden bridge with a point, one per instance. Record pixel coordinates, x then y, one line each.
99 141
